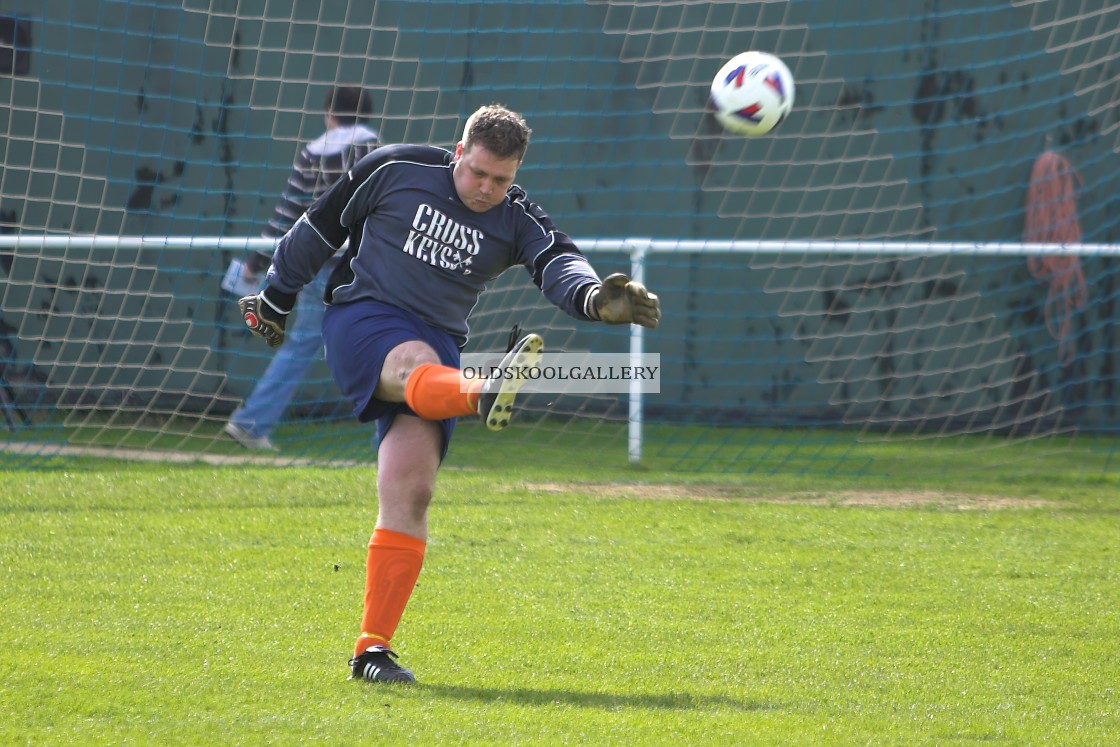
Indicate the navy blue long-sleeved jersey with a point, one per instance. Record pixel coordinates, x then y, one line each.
415 245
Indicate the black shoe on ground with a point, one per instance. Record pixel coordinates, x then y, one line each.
378 664
495 401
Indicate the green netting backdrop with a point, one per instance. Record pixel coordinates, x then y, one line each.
916 126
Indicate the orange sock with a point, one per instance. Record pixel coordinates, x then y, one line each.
392 567
435 392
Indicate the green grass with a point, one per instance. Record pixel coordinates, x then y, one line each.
603 604
561 445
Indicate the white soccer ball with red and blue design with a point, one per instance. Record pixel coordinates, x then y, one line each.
752 93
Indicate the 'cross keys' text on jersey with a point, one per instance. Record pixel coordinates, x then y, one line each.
437 239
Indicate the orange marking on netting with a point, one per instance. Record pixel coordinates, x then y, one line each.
1051 217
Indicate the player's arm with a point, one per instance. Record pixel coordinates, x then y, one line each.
567 279
615 300
300 254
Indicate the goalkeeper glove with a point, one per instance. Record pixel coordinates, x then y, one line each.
264 318
620 300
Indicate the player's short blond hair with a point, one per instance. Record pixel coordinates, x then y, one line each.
499 130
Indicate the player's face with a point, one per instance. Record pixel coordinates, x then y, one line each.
481 178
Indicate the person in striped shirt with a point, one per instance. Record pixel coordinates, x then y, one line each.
318 164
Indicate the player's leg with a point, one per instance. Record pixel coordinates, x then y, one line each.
386 356
379 347
436 392
407 460
360 339
375 353
496 398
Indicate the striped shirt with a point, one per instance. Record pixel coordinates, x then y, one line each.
317 166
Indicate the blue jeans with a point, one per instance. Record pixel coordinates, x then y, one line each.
303 345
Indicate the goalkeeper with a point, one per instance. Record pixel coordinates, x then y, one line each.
428 230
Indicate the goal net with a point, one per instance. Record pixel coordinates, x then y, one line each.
925 248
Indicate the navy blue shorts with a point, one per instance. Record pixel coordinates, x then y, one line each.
358 336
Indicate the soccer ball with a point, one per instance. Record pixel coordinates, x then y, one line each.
752 93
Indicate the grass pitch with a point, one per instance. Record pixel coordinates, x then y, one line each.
197 604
